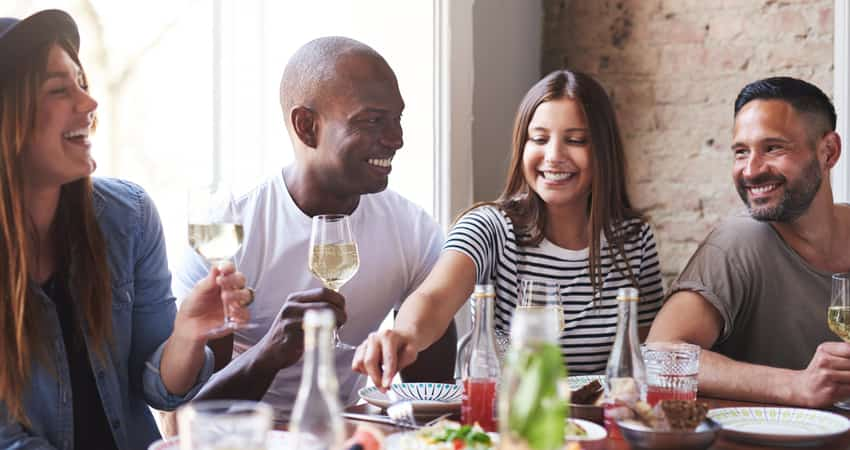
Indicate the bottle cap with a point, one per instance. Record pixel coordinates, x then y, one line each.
627 294
319 318
484 290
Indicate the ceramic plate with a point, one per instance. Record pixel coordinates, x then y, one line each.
426 398
780 426
277 440
578 381
594 431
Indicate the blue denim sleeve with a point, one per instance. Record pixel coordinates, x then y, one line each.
14 437
154 311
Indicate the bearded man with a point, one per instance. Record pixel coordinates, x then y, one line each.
755 294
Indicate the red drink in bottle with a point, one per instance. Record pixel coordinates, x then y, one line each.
479 403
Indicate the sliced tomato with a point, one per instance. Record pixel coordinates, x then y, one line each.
458 444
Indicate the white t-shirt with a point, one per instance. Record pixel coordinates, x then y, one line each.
398 243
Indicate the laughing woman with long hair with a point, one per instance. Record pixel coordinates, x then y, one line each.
89 331
564 217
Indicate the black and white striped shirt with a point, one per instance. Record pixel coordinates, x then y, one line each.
486 235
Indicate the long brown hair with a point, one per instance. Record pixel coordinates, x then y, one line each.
80 247
608 206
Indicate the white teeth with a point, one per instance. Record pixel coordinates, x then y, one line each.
557 176
383 162
84 132
762 189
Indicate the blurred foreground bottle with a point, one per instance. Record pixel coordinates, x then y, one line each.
481 370
317 415
532 414
625 376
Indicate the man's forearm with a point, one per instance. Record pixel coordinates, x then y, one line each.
723 377
247 377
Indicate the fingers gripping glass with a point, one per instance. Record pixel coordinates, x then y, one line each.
333 257
838 315
215 233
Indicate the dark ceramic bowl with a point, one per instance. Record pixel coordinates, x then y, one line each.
641 436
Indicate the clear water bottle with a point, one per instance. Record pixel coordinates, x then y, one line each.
481 372
532 409
317 415
625 375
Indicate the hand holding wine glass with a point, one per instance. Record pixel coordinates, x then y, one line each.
333 257
215 233
838 315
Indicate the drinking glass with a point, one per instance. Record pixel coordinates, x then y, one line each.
215 233
224 425
671 371
333 257
838 315
546 295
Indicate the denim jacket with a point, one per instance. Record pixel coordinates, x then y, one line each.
143 312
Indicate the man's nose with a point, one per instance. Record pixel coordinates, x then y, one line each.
392 136
754 165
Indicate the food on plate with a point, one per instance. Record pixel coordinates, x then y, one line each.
450 435
573 430
588 394
672 415
365 437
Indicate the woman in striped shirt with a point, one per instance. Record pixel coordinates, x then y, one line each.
564 216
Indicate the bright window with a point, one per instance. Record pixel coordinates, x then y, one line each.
189 88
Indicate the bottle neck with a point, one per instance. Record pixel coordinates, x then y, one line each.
318 359
483 359
626 360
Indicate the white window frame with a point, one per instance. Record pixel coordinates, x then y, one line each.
841 83
454 64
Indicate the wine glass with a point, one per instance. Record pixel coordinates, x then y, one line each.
215 233
224 424
546 295
333 257
838 315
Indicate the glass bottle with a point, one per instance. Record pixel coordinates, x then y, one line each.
625 375
317 414
462 356
532 410
481 372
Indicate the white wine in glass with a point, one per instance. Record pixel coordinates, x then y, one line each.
546 296
216 242
334 264
838 315
333 257
215 233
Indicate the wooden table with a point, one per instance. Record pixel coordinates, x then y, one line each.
721 443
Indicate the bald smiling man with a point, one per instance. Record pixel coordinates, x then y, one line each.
342 109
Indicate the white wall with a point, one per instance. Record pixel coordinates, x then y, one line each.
507 41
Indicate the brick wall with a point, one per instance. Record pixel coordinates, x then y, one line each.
673 69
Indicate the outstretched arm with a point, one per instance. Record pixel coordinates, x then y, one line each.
423 318
688 317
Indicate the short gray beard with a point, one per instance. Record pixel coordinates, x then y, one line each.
796 198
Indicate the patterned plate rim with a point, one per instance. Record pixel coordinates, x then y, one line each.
577 381
839 423
369 394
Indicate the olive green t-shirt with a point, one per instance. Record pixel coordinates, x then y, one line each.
773 304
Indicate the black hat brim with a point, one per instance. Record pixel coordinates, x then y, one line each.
28 34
